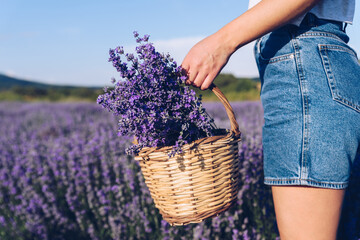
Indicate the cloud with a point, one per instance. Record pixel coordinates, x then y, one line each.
9 73
177 47
241 63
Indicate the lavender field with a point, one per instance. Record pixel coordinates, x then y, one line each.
64 174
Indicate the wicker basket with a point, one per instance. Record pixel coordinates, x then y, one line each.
201 182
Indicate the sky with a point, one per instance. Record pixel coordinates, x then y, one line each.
67 42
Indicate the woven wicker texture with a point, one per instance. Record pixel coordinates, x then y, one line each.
201 182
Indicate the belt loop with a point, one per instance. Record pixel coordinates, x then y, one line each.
310 19
344 28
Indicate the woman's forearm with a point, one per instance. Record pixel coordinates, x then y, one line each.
206 59
261 19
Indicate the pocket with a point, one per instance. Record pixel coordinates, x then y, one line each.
274 47
272 52
343 73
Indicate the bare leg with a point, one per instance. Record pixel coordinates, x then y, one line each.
307 212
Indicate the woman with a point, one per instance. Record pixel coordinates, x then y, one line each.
311 98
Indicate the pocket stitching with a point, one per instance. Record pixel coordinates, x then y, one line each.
337 48
280 58
331 79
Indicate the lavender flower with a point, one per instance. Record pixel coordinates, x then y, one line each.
152 102
64 174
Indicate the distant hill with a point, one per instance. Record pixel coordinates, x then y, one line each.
14 89
7 82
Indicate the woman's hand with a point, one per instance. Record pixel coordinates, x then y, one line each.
205 60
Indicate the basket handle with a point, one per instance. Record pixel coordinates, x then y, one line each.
228 108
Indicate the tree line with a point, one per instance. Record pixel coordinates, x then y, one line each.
235 89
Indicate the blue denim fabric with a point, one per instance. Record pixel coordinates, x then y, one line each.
311 97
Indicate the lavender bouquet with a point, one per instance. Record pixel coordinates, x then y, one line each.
152 101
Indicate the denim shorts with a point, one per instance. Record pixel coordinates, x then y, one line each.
310 91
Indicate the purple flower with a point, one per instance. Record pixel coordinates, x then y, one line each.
73 179
152 102
2 221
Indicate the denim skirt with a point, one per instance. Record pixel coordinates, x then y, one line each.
310 91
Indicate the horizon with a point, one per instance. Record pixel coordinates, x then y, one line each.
67 43
89 86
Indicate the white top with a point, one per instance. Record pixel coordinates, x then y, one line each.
337 10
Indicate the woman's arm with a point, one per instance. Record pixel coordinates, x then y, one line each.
206 59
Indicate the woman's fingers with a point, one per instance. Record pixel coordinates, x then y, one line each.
200 78
208 81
